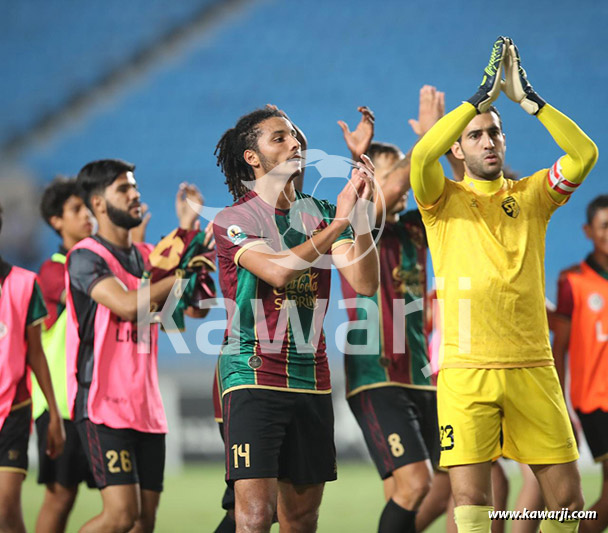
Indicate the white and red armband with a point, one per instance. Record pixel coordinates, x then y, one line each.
558 182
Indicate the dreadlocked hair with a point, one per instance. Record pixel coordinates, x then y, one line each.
232 145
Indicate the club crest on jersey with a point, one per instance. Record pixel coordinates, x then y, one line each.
235 234
510 207
254 362
595 302
3 330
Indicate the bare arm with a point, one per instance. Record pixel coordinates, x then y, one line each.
359 262
561 340
37 362
111 293
279 268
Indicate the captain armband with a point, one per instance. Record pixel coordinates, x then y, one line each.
558 182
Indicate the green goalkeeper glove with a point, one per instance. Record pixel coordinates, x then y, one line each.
516 85
489 89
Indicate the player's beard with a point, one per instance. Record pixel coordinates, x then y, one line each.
269 165
121 218
479 168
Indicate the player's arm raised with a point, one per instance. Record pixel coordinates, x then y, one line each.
426 174
358 261
581 152
358 141
431 108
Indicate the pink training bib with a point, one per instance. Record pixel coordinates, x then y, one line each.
124 391
14 302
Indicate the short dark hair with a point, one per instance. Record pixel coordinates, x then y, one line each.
377 148
491 109
55 195
232 145
94 177
600 202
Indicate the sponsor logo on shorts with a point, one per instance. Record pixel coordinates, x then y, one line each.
595 302
235 234
3 330
510 207
13 455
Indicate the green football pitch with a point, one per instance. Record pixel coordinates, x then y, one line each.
191 501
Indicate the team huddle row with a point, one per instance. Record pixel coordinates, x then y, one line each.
433 430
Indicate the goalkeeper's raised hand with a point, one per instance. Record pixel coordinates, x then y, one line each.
516 85
489 89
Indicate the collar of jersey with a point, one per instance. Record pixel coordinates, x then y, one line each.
483 186
596 266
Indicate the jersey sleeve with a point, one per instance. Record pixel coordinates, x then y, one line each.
427 179
565 298
411 221
52 285
569 171
86 269
36 311
236 230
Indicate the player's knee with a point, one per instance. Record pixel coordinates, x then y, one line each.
123 519
255 517
410 495
60 500
572 502
304 520
411 486
10 514
145 524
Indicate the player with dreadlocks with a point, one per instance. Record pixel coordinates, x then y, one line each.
275 248
228 525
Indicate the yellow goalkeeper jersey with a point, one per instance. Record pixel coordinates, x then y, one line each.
488 255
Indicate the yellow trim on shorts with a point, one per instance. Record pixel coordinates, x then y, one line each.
21 405
280 389
13 469
495 366
219 420
390 384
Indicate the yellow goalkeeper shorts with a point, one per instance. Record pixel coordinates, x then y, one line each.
518 413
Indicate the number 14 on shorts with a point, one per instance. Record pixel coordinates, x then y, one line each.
241 451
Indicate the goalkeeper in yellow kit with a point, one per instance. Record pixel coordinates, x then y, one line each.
487 240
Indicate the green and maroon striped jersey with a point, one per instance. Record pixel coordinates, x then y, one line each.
397 353
274 337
